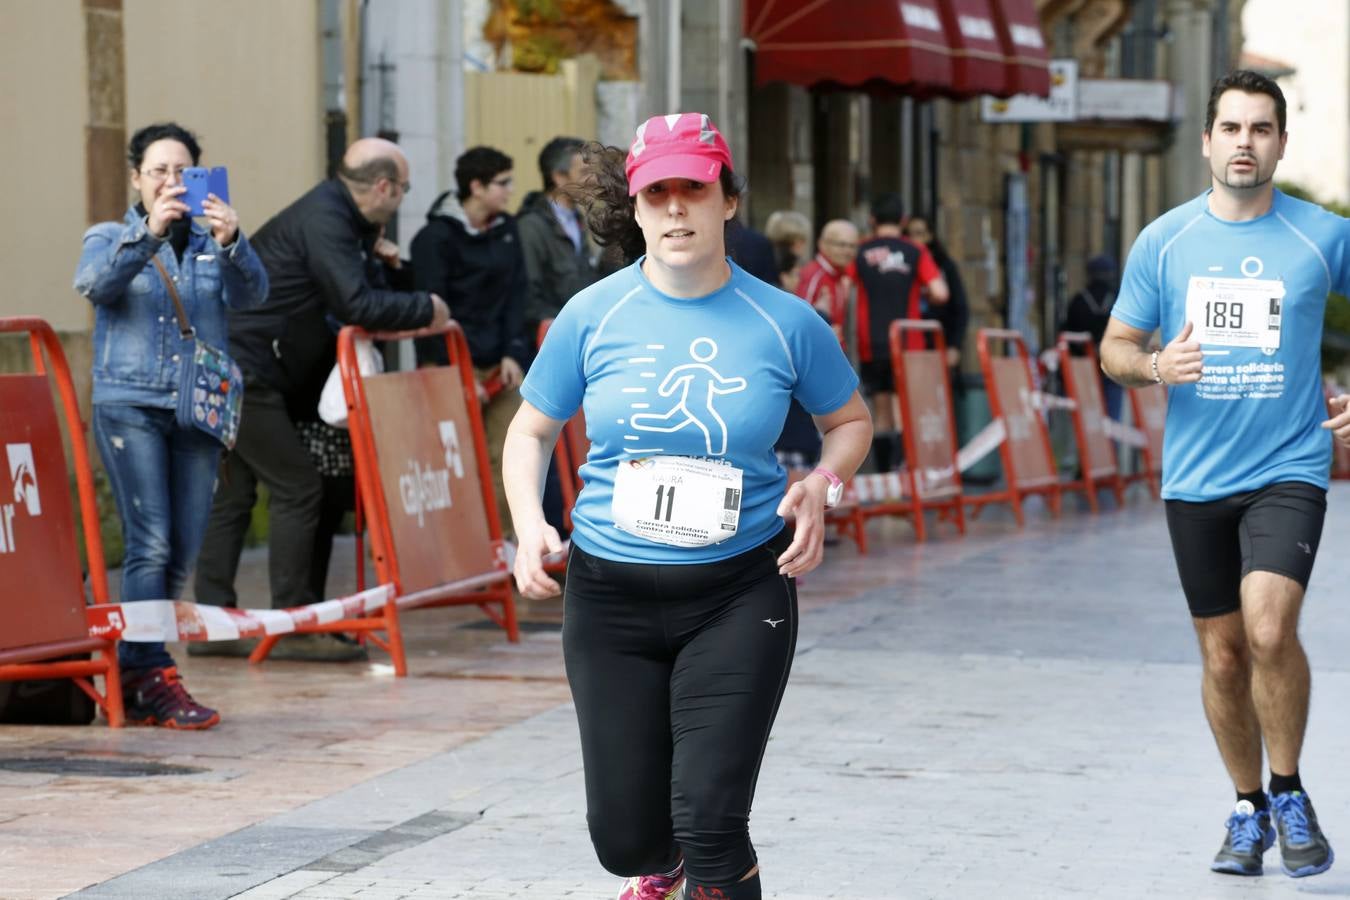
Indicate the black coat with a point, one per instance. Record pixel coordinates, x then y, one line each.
955 313
556 269
317 253
482 276
753 252
1090 309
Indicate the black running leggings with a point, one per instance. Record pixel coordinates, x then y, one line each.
676 673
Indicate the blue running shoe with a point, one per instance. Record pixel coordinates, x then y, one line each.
1304 849
1249 836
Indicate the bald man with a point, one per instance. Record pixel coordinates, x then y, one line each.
329 265
827 280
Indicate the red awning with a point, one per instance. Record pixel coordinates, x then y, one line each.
1019 29
851 43
979 63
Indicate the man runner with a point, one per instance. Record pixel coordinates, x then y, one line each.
1237 280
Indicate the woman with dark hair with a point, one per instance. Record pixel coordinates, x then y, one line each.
955 313
162 473
680 608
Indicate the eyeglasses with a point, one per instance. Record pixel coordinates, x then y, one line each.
842 245
159 173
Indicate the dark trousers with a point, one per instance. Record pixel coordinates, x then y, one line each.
339 498
268 450
676 674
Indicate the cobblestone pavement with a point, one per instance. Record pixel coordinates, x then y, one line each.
1012 715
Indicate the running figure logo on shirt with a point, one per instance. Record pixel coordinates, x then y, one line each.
884 260
696 386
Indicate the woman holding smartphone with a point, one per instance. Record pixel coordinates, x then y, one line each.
162 473
681 607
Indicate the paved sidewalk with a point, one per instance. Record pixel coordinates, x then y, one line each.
1013 715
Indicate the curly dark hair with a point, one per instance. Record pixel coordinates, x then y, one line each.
603 196
160 131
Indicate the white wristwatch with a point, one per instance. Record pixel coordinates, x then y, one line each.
836 489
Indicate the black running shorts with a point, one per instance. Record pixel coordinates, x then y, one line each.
1275 529
877 377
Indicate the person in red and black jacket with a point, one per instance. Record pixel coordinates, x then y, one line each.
827 280
891 270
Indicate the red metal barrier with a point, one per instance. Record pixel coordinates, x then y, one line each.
1028 462
417 437
42 597
1148 405
1096 451
930 478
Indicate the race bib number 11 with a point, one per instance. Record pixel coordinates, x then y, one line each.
1236 312
677 500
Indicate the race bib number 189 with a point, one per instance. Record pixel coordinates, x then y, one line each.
677 500
1236 312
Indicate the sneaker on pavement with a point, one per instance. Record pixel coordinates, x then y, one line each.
654 887
1304 849
1250 835
157 697
319 647
230 647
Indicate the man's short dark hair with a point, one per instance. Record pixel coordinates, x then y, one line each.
888 209
370 171
557 157
160 131
1248 82
481 164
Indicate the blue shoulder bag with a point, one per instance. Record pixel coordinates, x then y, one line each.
210 385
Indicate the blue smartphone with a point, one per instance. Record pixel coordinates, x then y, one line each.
201 181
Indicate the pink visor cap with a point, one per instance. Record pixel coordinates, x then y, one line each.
680 145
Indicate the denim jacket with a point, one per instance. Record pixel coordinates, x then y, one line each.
138 349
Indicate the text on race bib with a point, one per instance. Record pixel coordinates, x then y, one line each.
677 500
1235 312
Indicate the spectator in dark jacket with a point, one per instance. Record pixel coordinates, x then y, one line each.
559 255
955 313
560 260
1090 310
316 253
469 253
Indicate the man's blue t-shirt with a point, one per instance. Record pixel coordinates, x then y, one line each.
1254 418
694 388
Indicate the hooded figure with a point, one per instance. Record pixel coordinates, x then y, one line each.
480 273
1090 308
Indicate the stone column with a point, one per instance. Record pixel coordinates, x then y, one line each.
106 123
1188 64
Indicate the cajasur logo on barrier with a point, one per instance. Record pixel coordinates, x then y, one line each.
425 489
23 493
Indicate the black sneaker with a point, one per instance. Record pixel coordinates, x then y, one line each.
231 647
1304 849
157 697
1249 836
319 647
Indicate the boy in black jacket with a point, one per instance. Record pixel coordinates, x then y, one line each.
469 253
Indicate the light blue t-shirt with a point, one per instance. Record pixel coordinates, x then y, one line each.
1254 418
706 378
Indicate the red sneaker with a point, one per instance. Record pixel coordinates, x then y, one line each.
654 887
157 697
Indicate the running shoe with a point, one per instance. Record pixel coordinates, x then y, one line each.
654 887
1304 849
1249 836
157 697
